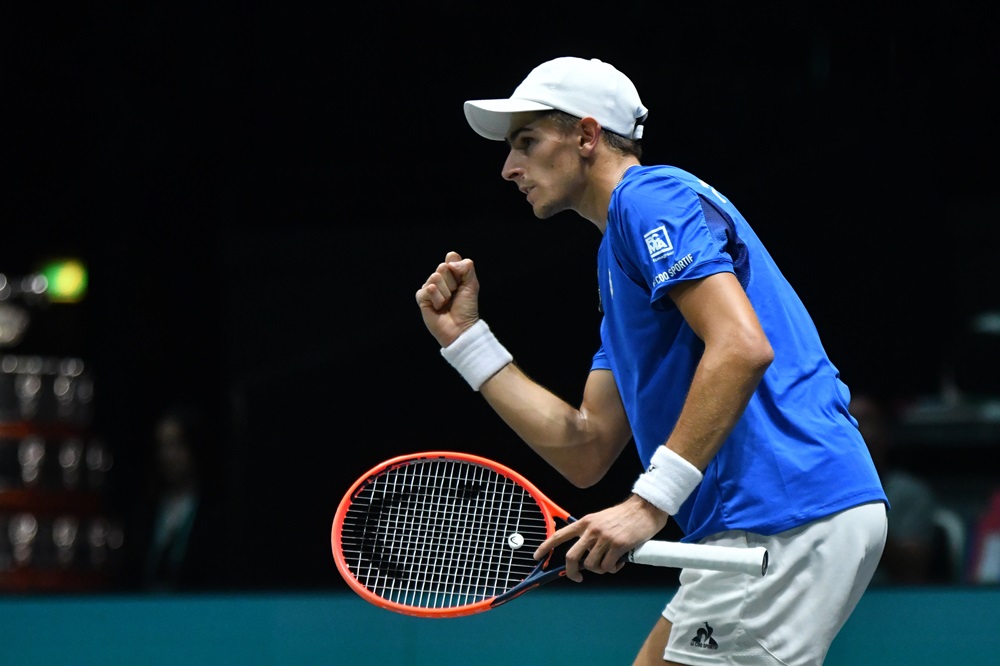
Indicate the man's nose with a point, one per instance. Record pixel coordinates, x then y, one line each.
510 169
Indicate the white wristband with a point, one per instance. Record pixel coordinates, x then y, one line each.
477 354
668 481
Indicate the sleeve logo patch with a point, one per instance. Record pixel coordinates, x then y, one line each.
658 243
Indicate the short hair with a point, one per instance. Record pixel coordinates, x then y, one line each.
616 142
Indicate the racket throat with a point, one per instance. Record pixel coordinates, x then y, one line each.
538 577
549 569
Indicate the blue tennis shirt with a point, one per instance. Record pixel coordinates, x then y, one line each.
796 454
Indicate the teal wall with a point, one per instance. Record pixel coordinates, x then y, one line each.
547 626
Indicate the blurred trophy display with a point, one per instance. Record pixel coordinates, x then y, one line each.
55 533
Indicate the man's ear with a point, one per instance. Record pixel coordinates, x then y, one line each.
590 133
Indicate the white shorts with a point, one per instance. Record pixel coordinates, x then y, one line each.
816 575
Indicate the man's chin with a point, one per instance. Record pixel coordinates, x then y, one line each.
543 212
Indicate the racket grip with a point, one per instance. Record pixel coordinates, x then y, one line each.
700 556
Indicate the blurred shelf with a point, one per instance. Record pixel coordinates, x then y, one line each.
22 429
952 424
48 580
50 501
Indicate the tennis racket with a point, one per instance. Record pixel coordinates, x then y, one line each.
444 534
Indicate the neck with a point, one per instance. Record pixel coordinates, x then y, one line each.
605 183
624 171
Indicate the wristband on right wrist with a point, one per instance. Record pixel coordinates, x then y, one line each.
669 480
477 354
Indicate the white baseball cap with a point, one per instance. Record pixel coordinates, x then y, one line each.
575 86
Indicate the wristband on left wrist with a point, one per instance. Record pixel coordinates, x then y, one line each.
668 481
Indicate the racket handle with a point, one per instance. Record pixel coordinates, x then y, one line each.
700 556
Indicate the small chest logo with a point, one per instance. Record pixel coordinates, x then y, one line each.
658 243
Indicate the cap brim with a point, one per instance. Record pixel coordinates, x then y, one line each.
490 118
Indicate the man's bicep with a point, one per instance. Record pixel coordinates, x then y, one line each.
602 407
715 303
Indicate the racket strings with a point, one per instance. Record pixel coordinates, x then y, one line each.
442 534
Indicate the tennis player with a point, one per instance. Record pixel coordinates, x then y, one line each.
708 361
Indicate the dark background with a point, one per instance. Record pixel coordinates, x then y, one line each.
259 191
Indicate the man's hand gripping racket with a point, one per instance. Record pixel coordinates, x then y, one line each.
443 534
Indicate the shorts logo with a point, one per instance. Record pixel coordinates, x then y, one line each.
703 639
658 243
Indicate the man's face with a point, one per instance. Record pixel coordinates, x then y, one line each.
545 163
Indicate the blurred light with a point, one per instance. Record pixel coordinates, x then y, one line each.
987 323
13 323
67 280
